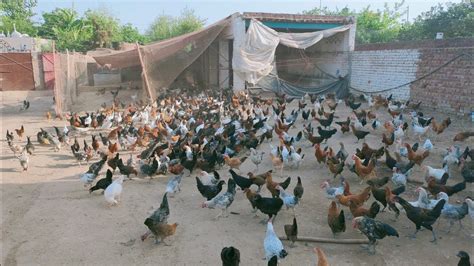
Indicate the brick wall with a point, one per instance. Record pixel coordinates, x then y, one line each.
452 88
382 69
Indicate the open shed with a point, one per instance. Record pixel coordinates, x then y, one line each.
284 53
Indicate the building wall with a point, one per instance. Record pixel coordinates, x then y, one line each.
450 89
381 69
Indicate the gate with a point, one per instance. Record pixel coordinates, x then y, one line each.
16 72
48 70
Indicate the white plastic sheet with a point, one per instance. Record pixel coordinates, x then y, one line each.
255 58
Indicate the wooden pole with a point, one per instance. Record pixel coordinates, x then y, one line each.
56 83
145 76
330 240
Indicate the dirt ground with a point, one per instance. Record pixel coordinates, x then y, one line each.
48 218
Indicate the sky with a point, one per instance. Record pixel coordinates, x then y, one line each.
142 12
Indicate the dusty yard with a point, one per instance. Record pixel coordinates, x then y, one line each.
48 218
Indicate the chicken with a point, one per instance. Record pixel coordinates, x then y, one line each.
30 148
398 178
147 169
20 132
161 230
464 259
159 216
103 183
364 172
434 188
342 154
336 219
378 182
435 172
234 163
319 154
272 186
126 170
326 134
291 231
419 130
439 128
357 199
268 206
453 213
230 256
241 181
388 141
374 230
113 191
260 179
361 211
417 158
336 169
211 190
289 200
422 217
24 159
322 260
368 152
112 163
299 189
423 201
462 136
332 192
272 244
256 157
359 134
222 201
174 183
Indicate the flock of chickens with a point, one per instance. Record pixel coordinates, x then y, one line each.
206 133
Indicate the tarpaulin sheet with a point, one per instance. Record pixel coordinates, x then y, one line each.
254 60
277 85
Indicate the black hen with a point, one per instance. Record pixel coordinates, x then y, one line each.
209 191
422 217
103 183
326 134
269 206
241 181
230 256
149 170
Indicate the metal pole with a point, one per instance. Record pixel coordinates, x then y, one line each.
145 76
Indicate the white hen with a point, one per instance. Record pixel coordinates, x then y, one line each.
113 191
272 244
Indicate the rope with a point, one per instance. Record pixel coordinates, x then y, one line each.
416 80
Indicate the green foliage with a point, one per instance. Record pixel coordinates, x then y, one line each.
130 34
372 26
105 28
66 27
454 20
165 27
18 13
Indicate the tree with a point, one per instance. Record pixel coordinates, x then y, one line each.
105 28
130 34
372 26
165 27
18 13
456 20
67 28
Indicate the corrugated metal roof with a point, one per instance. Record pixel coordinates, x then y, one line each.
297 18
